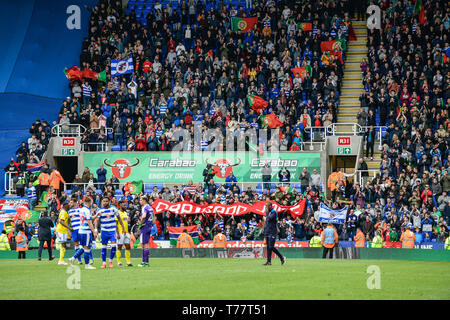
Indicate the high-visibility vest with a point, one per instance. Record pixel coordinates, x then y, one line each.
332 180
408 239
447 244
359 240
21 242
56 179
4 243
185 241
329 237
377 242
220 241
315 242
44 179
21 180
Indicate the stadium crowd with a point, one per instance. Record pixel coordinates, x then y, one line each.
190 68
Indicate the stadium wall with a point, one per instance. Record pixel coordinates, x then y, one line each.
40 38
296 253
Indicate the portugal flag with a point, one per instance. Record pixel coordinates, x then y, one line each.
174 233
243 24
305 26
134 187
333 45
88 73
257 103
302 71
418 8
73 73
272 121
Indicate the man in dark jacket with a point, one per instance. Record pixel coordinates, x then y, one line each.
270 234
45 235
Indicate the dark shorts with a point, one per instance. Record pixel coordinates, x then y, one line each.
145 234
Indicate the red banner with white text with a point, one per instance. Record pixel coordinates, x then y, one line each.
235 209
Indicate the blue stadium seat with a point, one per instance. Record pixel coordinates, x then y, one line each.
68 192
159 186
116 148
98 191
148 188
118 192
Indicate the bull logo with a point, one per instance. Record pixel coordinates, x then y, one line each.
121 168
222 167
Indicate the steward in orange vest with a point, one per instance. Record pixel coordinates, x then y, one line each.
185 240
329 239
408 238
55 179
21 243
220 240
359 239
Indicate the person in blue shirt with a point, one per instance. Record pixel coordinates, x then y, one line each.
230 181
419 236
427 226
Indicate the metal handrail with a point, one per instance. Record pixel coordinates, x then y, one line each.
10 187
253 185
85 146
68 130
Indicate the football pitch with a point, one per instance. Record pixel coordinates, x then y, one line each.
206 278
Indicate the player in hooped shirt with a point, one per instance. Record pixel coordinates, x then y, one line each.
107 217
74 215
86 233
146 223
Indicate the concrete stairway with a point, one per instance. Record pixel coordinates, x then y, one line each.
352 86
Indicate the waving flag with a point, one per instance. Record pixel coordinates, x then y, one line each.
120 67
174 233
35 167
257 103
243 24
73 73
302 71
272 121
418 8
333 216
305 26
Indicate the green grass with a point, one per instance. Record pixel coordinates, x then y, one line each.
202 278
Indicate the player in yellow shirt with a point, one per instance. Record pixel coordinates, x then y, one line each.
62 232
123 235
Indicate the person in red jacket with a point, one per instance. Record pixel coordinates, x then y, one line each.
426 193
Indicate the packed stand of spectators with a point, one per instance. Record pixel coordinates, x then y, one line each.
29 155
406 89
372 209
190 68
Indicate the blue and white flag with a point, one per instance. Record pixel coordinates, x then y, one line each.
327 215
120 67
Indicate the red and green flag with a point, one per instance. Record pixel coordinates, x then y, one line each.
175 232
305 26
73 73
257 103
272 121
302 71
418 8
243 24
136 187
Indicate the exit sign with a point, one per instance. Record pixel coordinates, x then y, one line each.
68 142
345 150
343 141
68 151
